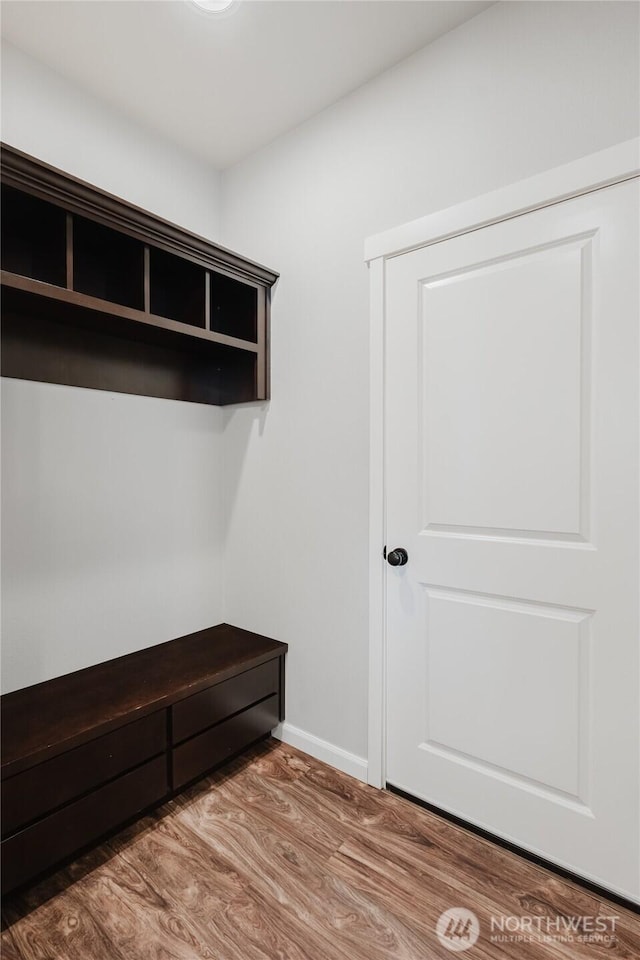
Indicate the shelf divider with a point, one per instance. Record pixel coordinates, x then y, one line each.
69 251
147 279
207 300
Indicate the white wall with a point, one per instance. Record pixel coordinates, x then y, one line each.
112 524
49 117
521 88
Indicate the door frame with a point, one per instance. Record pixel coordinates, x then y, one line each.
593 172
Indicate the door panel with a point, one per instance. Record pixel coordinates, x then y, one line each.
512 480
476 646
517 466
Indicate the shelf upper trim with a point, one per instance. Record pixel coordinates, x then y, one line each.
33 176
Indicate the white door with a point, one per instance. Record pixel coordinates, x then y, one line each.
512 435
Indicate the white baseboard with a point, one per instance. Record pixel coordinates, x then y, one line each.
322 750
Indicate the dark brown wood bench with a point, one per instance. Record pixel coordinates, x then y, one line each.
85 753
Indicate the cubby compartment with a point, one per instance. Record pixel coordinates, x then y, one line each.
234 308
177 288
239 376
33 237
107 264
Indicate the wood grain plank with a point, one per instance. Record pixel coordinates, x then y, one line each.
420 901
286 811
289 872
415 903
279 762
61 928
209 888
141 920
8 948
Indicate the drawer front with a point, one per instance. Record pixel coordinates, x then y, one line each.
203 709
61 834
48 785
196 756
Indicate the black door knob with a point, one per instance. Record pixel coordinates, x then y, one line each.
398 557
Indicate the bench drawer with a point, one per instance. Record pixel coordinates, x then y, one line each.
203 709
48 785
196 756
45 843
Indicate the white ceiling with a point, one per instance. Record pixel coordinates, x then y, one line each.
222 86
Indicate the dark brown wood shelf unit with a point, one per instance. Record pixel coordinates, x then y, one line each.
83 753
99 293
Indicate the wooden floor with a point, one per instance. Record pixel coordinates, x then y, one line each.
283 857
